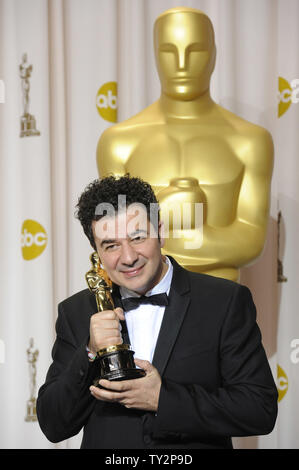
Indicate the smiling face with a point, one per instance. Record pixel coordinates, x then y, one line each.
185 53
130 251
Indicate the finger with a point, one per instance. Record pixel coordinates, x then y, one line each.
109 324
115 335
146 365
111 341
120 313
105 315
105 395
116 386
110 333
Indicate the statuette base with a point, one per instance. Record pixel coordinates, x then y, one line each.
31 411
28 126
118 365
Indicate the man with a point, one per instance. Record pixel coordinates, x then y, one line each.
207 376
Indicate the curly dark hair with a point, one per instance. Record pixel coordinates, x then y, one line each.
107 190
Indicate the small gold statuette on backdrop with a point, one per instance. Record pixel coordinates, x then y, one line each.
115 362
28 123
32 357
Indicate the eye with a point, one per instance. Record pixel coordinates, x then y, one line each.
197 47
138 239
111 247
167 48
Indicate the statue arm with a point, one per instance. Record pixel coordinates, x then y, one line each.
110 154
243 240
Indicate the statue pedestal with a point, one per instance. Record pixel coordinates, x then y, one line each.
28 126
31 410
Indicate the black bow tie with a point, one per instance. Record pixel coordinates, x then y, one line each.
133 302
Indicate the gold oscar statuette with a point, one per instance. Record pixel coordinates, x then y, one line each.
32 356
116 362
196 154
28 122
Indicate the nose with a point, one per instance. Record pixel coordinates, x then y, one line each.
128 254
182 58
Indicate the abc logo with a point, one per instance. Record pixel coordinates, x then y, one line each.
287 94
33 239
107 101
282 383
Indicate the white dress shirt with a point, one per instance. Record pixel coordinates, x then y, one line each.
144 322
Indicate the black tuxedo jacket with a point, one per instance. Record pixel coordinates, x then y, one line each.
216 381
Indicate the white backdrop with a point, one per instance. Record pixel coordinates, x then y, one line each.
76 47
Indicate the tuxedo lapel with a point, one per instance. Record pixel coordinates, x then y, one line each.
92 302
179 299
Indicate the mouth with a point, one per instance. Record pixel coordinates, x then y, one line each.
181 79
132 272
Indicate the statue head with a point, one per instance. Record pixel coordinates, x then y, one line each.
185 52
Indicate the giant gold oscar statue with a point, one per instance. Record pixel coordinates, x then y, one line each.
192 150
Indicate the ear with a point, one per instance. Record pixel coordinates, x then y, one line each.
214 59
